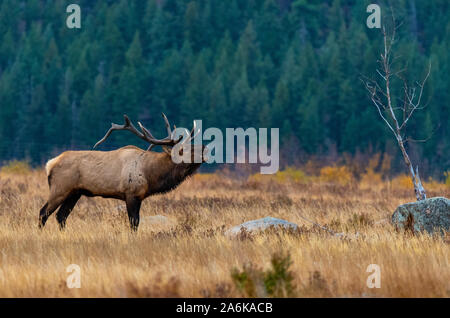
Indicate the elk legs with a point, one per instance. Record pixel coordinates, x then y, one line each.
66 208
133 207
50 207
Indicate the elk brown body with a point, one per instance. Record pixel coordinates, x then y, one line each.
130 174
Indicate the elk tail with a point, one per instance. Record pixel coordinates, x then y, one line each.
49 167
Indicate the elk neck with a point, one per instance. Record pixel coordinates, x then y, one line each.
163 174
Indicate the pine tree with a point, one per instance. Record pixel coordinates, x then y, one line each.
129 96
193 28
195 100
281 103
294 65
247 55
269 30
238 99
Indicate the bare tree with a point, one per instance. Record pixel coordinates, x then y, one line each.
396 117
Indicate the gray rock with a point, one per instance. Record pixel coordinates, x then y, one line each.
431 215
261 225
157 220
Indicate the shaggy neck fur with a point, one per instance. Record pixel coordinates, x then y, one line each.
167 175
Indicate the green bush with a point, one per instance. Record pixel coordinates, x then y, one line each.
277 281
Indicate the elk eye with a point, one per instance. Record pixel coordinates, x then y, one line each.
181 151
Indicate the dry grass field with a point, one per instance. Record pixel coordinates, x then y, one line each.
190 256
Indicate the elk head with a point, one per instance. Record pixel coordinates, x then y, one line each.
166 143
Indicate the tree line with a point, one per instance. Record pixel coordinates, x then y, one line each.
292 64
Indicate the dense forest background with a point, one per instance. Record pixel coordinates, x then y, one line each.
292 64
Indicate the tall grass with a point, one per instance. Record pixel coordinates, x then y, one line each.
190 256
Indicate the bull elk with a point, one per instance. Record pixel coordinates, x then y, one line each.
130 174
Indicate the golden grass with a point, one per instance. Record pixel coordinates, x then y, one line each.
191 257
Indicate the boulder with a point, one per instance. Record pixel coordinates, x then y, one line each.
431 215
259 225
157 222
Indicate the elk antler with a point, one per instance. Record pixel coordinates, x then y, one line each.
146 135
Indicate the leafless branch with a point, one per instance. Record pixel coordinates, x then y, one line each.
426 139
383 99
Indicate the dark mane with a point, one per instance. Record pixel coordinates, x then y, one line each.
176 177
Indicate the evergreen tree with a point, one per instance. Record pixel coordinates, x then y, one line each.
294 65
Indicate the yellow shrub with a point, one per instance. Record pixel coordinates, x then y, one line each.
370 178
287 175
402 181
434 185
291 174
386 165
340 175
447 179
16 167
210 179
257 177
